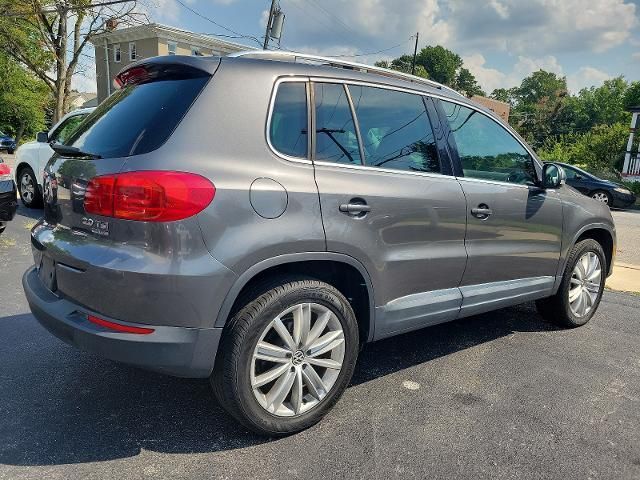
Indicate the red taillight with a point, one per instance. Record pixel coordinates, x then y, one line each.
5 171
150 196
118 327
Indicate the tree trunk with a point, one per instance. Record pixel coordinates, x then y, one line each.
19 132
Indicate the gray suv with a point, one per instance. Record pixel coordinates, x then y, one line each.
255 220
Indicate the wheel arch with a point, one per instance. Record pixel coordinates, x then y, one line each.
342 271
21 166
604 237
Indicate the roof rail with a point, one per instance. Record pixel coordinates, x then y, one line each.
336 63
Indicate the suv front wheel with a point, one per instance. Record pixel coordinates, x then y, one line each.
287 356
581 289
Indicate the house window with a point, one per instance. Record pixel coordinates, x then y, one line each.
133 53
117 54
195 51
172 47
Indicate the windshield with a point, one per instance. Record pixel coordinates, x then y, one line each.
136 119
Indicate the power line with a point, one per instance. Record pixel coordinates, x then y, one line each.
195 12
373 53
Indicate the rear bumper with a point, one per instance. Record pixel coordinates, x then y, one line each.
179 351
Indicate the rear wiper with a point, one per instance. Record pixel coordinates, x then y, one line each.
71 151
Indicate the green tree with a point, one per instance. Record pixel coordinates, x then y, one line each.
632 96
49 37
441 64
466 83
506 95
23 98
403 64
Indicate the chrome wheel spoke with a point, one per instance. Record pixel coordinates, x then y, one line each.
284 334
324 363
318 328
270 375
301 324
272 353
297 391
314 382
280 390
574 293
326 343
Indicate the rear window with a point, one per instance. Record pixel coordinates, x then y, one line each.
136 119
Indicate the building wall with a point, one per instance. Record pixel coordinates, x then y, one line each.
499 108
147 47
182 48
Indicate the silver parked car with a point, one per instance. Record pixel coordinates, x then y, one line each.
255 220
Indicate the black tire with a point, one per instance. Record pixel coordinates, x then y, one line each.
609 202
231 376
556 308
10 151
36 202
2 228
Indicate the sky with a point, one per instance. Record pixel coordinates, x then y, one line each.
500 41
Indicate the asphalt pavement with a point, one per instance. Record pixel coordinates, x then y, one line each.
500 395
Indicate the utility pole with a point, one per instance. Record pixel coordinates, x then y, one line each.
267 33
415 52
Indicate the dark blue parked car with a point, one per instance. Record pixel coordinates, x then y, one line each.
605 191
7 143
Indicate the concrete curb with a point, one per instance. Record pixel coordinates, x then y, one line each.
625 278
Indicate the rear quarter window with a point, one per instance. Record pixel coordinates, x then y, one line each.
288 127
136 119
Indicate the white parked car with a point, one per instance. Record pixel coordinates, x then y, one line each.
33 156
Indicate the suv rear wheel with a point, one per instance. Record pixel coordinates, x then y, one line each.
581 289
287 356
28 188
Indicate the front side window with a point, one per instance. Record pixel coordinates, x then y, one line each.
336 139
133 53
395 128
288 128
66 128
487 150
117 54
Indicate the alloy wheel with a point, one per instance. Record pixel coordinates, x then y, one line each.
601 197
27 187
585 282
297 359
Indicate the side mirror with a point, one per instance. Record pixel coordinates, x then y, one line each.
42 137
553 176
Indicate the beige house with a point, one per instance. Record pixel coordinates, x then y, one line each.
117 48
496 106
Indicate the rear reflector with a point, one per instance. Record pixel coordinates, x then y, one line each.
149 196
118 327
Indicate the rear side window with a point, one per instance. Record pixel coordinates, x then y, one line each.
395 128
288 129
336 139
136 119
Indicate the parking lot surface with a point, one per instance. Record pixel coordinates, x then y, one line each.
501 395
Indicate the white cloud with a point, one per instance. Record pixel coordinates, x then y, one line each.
491 78
586 77
544 26
636 56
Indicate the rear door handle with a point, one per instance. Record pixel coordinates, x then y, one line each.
482 211
355 208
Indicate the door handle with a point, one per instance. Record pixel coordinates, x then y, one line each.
355 208
482 211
